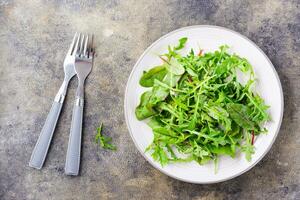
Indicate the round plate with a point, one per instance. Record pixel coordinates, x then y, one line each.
208 38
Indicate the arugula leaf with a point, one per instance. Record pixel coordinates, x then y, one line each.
221 115
223 150
181 44
160 155
248 148
104 141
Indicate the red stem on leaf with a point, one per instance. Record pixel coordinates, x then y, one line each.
200 52
164 60
252 140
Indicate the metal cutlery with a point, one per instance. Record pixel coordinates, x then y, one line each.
83 66
41 148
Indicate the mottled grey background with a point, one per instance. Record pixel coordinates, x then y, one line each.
34 37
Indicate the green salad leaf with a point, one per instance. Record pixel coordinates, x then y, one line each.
175 67
181 44
197 108
104 141
240 114
158 72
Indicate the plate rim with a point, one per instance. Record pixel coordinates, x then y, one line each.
281 106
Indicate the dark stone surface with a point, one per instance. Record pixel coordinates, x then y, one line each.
34 37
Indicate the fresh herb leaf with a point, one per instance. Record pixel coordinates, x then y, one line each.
181 44
104 141
240 114
248 148
144 110
175 67
158 72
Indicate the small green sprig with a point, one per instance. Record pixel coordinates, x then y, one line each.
104 141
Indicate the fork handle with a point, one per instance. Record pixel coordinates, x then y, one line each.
41 148
74 146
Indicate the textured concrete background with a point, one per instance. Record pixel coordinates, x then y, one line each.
34 37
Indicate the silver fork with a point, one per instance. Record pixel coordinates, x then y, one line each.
83 66
42 145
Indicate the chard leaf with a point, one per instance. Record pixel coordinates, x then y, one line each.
240 114
158 72
144 110
175 67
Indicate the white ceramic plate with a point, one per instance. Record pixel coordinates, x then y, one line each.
208 38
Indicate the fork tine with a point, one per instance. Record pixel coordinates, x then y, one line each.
85 53
81 45
72 44
76 46
90 48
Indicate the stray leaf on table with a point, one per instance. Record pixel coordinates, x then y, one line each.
103 141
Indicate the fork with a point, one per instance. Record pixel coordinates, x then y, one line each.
83 66
42 145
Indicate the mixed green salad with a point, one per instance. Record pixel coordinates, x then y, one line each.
198 109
